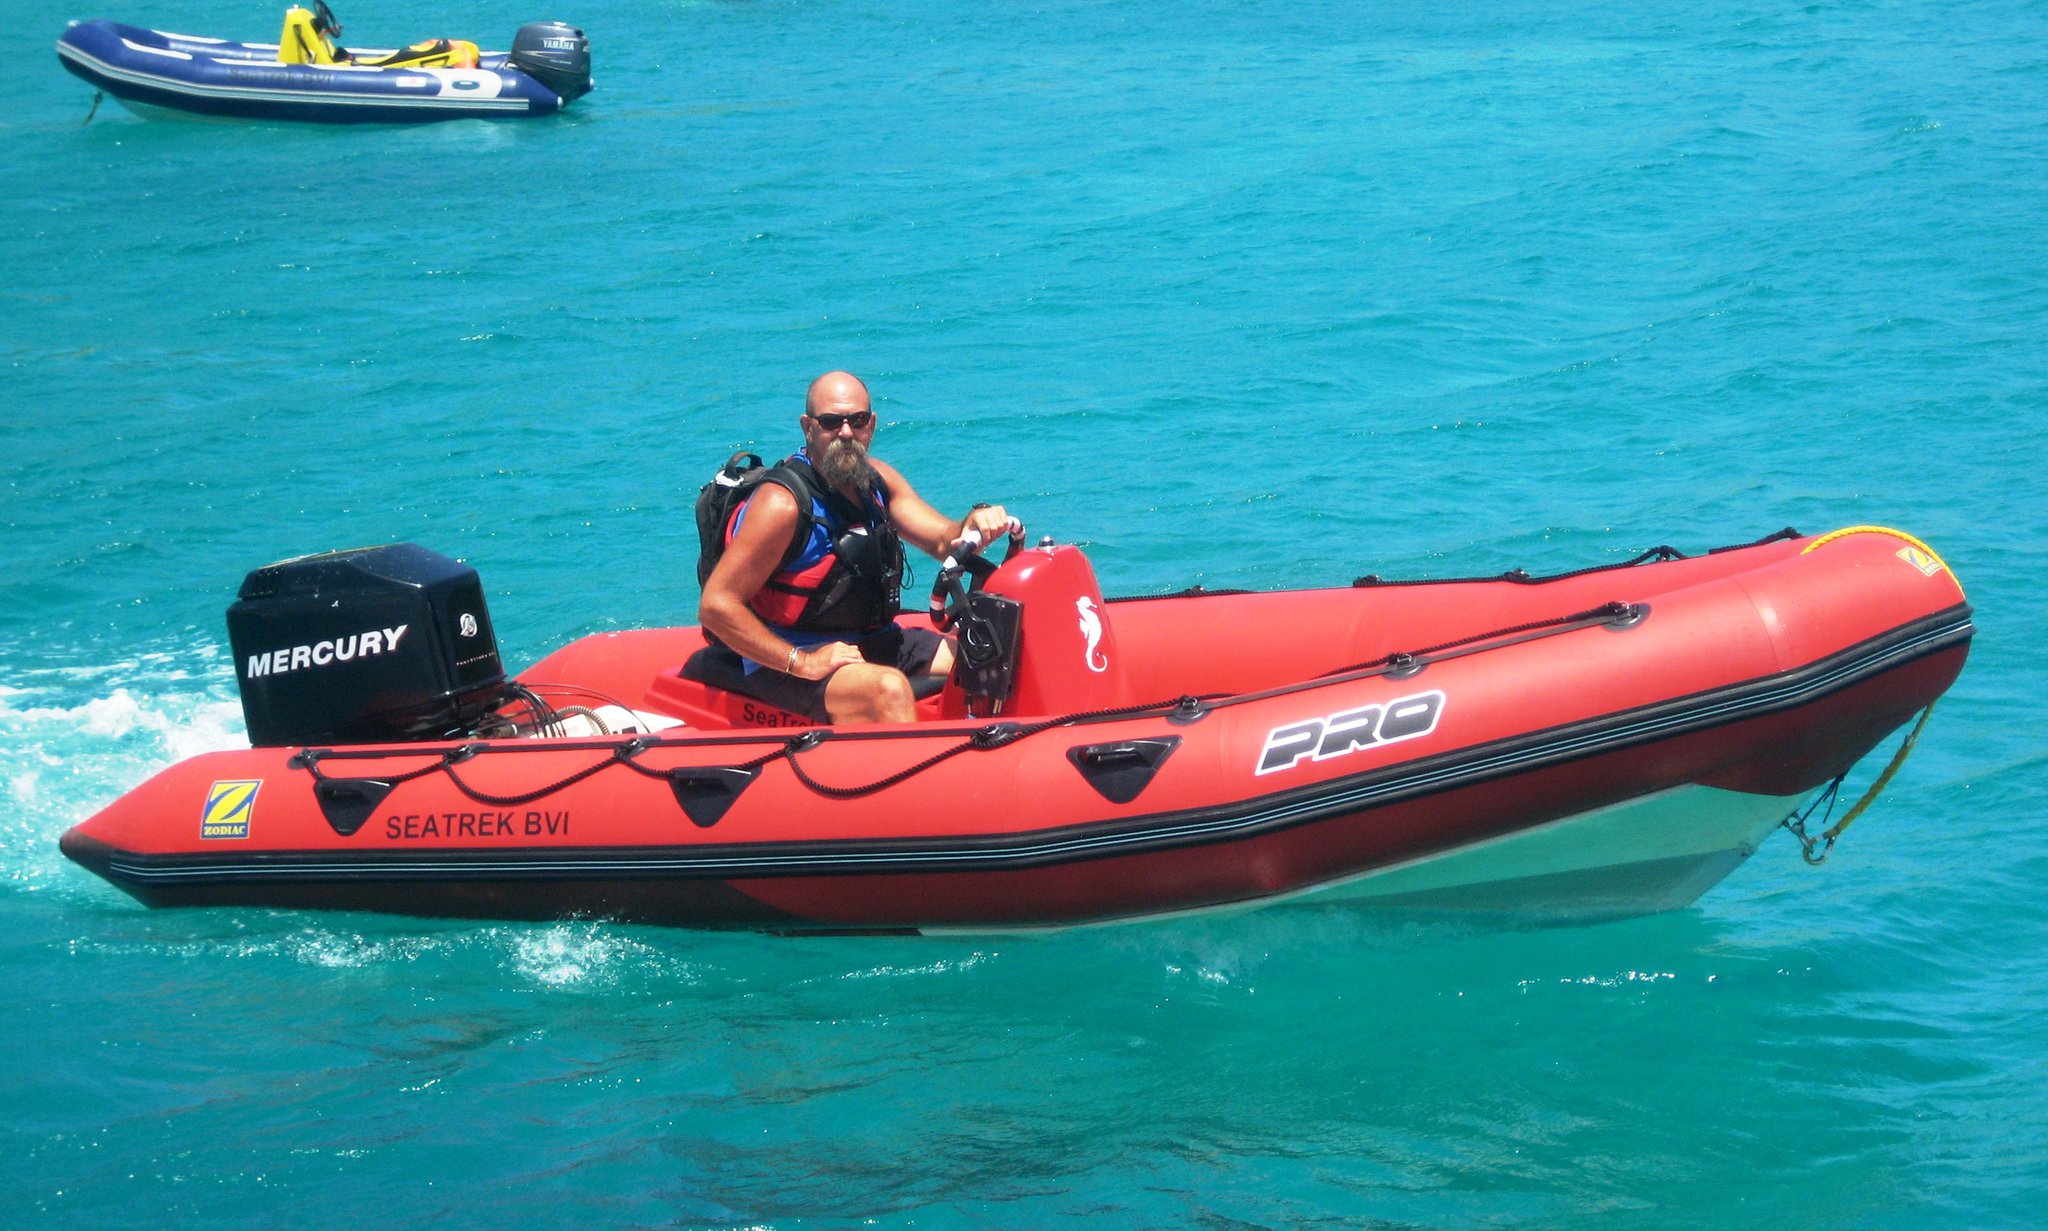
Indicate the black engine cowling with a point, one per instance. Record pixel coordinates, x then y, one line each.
374 645
555 54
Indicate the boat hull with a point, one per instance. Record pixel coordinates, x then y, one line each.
1618 756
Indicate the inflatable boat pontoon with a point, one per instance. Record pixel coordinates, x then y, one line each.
1606 742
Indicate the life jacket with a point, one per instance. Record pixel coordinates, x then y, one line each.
843 569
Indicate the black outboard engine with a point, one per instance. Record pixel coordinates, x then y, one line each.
375 645
555 54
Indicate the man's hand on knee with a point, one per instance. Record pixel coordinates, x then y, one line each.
822 661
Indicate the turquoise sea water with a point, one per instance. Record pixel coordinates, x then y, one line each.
1248 294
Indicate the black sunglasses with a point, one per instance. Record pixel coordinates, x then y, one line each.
832 423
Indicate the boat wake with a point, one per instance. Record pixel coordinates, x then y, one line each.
74 737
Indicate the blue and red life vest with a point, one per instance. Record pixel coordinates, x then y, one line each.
843 572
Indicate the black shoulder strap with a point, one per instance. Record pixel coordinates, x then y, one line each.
796 477
733 485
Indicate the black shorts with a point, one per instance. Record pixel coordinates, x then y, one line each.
909 650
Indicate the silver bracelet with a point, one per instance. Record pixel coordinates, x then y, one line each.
789 668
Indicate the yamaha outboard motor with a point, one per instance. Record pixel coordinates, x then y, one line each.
375 645
555 54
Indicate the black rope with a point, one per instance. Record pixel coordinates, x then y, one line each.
1607 613
1796 823
1776 536
880 784
1523 577
993 736
996 735
309 760
1612 611
621 753
1656 555
790 747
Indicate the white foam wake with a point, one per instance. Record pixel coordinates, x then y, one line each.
73 738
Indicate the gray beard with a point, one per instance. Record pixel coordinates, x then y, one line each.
844 464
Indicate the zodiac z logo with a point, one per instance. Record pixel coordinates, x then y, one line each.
229 805
1351 730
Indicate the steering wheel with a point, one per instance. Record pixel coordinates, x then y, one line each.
323 18
949 597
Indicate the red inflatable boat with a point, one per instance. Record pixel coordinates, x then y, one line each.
1601 743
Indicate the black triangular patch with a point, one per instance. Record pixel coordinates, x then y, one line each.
705 792
1123 769
348 802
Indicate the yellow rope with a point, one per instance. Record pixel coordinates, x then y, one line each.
1901 535
1883 779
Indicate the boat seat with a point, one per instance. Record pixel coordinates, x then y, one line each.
706 692
305 39
708 666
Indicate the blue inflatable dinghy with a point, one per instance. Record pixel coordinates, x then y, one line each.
307 75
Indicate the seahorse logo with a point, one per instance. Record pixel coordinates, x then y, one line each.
1091 628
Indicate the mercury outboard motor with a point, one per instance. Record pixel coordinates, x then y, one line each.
555 54
375 645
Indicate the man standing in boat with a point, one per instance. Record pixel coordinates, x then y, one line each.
806 591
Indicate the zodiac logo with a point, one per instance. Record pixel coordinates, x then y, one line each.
1921 560
229 805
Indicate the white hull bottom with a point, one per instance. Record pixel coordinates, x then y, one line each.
1648 855
1657 853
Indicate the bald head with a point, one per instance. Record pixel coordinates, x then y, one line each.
836 393
837 424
